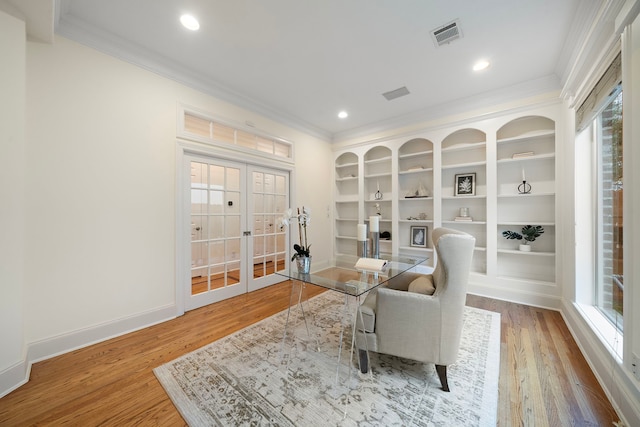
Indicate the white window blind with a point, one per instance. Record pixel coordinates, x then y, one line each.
600 94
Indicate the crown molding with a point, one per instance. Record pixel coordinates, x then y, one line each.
69 27
485 100
467 118
38 16
598 43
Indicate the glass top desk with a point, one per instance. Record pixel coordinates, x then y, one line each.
345 278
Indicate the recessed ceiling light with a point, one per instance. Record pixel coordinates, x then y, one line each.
190 22
480 65
343 114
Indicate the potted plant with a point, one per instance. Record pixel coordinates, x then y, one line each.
529 233
303 253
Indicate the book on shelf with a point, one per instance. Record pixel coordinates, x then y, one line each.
463 219
523 154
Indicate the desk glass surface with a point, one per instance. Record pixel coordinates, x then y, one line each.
345 278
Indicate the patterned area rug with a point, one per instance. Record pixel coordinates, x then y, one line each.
251 378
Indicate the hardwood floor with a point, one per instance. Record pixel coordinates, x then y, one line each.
544 380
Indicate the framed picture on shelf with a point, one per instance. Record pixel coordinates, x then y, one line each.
465 184
418 236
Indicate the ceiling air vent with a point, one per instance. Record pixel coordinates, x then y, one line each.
446 33
397 93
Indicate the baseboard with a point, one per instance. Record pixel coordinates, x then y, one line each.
518 296
617 382
17 375
318 266
13 377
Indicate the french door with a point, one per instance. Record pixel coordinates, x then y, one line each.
269 198
235 244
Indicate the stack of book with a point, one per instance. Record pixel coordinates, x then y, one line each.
464 219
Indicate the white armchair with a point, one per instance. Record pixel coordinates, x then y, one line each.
417 316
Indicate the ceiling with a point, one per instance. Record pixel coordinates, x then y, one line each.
301 62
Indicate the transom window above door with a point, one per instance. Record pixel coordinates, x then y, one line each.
201 127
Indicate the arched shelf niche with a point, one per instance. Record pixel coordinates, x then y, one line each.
415 192
464 188
526 195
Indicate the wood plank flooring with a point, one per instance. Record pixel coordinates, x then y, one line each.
544 380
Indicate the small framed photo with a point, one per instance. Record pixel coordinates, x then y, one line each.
418 236
465 184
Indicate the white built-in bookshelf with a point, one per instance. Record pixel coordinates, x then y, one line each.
417 175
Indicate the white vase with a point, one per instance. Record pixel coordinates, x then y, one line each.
525 248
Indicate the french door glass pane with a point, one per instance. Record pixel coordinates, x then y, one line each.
269 203
269 223
215 226
281 204
258 245
269 198
216 177
233 179
216 252
258 203
233 273
257 182
216 199
232 227
233 250
198 254
198 175
269 183
198 202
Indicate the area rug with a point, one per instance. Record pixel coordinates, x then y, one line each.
252 378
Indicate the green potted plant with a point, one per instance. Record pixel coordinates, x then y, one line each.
529 234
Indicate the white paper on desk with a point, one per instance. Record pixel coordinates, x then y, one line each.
371 264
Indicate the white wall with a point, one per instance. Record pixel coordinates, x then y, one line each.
12 161
99 195
102 166
99 189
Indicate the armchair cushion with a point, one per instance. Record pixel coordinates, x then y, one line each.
423 285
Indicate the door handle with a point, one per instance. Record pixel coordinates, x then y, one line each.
246 233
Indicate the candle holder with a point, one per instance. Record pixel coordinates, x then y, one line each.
524 188
362 249
375 244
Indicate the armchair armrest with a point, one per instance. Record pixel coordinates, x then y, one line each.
408 324
409 308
